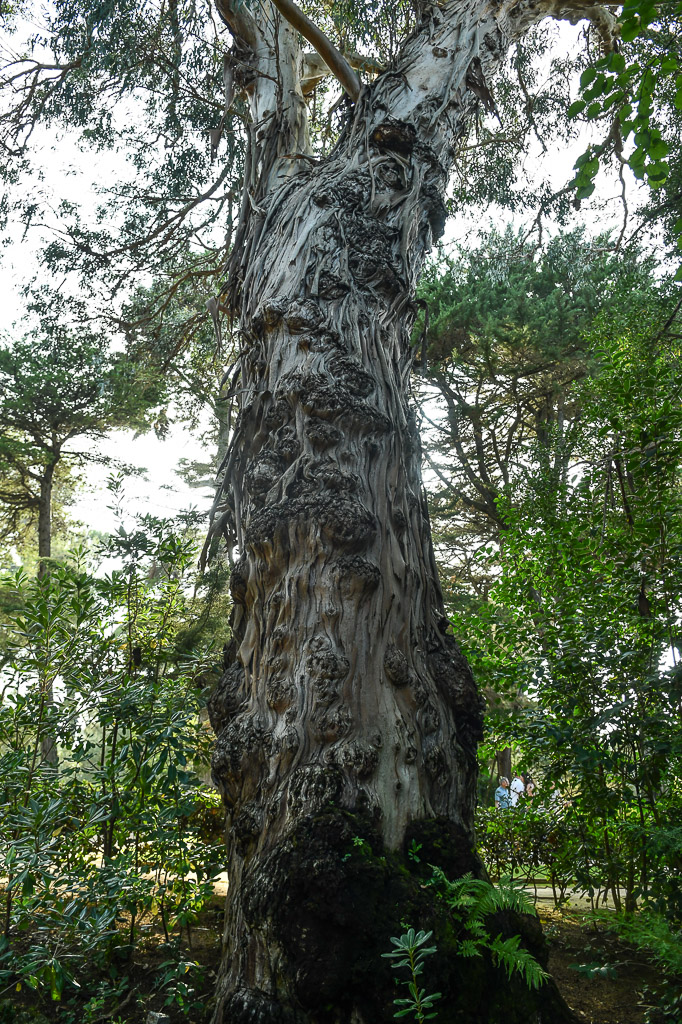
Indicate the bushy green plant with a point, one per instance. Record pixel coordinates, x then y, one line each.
410 952
177 979
526 842
583 618
653 934
661 942
115 831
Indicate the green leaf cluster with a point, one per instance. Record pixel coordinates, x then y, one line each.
410 951
637 91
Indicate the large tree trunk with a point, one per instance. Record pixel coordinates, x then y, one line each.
348 711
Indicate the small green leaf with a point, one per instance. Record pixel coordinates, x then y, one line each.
658 149
629 31
657 173
56 982
576 108
615 62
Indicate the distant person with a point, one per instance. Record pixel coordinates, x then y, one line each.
517 787
502 794
530 789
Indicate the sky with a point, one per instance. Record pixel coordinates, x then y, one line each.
159 491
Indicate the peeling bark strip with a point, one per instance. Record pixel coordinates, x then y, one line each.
346 708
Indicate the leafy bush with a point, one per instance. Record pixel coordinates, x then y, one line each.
579 637
120 826
529 842
653 934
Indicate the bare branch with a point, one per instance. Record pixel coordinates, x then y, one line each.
335 61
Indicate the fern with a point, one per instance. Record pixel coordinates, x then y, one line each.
508 895
472 900
509 954
481 896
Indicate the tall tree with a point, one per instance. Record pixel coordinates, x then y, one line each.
507 337
55 388
347 706
346 709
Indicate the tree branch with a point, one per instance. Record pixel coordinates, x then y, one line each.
315 69
335 61
240 21
598 15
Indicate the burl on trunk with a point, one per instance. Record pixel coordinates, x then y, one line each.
347 712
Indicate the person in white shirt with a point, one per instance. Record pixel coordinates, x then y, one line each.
516 789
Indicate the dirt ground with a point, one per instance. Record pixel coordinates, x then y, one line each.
601 978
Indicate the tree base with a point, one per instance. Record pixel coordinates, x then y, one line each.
329 898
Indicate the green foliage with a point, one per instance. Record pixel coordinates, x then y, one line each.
472 901
177 980
413 851
558 517
583 618
532 842
661 942
530 95
506 344
509 302
57 385
164 66
629 89
119 829
410 952
653 934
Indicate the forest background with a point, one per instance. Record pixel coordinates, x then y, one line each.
548 392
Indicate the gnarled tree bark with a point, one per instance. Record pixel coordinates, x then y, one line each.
347 710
